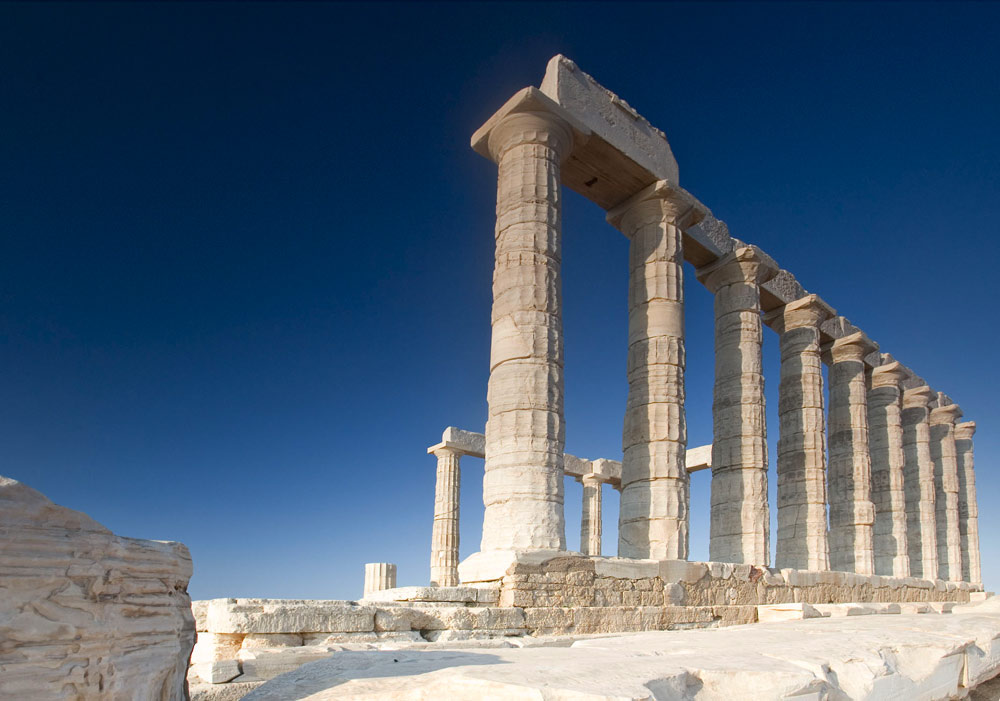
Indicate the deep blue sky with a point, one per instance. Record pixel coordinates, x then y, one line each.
245 274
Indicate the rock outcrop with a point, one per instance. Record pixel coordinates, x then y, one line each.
86 614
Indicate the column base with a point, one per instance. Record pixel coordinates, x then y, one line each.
491 565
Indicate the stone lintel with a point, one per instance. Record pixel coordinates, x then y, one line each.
686 209
610 471
625 152
780 290
461 442
965 430
576 467
699 458
947 414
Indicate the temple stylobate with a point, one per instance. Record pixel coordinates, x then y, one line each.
880 482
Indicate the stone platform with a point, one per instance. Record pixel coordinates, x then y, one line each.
918 658
541 600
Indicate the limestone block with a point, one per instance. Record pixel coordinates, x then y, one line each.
218 672
914 657
626 568
234 691
457 594
609 117
261 664
85 613
471 443
288 616
772 613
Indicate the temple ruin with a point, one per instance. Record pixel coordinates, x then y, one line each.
875 493
893 467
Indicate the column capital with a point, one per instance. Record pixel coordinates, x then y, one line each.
853 347
965 430
591 479
889 375
742 265
441 450
676 205
529 116
918 397
808 311
946 414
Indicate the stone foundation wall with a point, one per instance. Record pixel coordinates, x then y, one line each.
574 582
252 640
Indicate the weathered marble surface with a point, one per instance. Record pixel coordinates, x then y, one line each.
945 458
852 514
913 657
86 614
653 518
802 540
918 478
445 533
739 530
968 508
886 448
525 429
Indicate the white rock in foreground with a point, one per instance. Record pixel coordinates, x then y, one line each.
909 657
86 614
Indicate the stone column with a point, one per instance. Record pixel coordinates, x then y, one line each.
885 438
918 481
801 542
444 536
849 478
379 576
740 519
653 516
949 541
525 432
590 522
968 509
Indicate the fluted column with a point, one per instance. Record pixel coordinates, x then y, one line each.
653 516
885 430
444 536
379 576
918 480
740 516
590 522
802 539
849 476
968 509
525 432
949 542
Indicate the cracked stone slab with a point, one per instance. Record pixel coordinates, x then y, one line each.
871 657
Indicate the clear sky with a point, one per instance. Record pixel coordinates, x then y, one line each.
247 250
